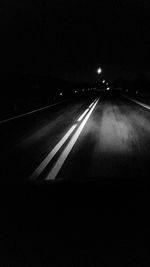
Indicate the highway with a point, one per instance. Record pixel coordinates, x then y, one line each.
102 136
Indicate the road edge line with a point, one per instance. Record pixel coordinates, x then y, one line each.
31 112
137 102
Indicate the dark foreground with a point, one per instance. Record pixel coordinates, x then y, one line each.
76 224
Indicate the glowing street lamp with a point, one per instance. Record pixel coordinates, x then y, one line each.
99 70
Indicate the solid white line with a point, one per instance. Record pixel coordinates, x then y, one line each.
137 102
92 104
84 113
53 173
49 157
28 113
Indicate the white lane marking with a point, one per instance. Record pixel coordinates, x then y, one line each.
137 102
81 117
33 111
49 157
92 103
53 173
84 113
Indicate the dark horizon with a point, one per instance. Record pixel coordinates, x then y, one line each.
70 40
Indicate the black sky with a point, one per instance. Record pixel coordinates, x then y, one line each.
71 38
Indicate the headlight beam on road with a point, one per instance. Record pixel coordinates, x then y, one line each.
58 165
50 156
38 171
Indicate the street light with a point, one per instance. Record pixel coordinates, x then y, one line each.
99 70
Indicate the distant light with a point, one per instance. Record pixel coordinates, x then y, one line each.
99 70
75 91
108 88
106 83
103 81
60 94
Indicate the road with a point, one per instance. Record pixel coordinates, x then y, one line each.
101 137
97 137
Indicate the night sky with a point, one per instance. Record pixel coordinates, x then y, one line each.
71 38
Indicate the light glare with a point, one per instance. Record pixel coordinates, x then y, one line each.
99 70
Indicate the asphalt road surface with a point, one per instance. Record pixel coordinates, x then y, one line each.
94 138
97 137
